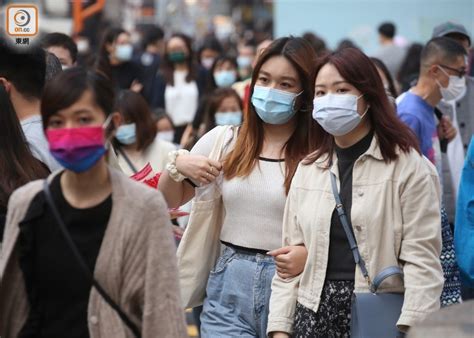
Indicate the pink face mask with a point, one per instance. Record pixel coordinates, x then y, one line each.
77 149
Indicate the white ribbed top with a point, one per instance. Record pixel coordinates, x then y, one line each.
254 205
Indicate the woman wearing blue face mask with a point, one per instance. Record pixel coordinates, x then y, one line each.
389 192
87 252
115 60
224 72
223 108
136 139
257 167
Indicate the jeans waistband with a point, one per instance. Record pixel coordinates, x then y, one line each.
246 251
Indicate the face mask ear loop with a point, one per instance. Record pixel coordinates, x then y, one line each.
365 113
294 101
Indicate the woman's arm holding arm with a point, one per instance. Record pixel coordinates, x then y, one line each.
285 291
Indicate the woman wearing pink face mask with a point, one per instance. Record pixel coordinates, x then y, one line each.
88 252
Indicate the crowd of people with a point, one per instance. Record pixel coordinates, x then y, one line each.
307 172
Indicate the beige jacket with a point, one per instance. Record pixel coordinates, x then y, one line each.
396 220
136 265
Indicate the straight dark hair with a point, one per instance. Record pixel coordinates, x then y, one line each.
60 40
134 109
167 67
25 69
357 69
243 158
70 85
17 165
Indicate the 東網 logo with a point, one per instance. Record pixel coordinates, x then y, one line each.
22 20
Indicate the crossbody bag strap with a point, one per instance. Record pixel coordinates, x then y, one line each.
83 265
384 274
347 229
127 159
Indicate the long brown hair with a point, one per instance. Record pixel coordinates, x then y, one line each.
243 158
134 109
357 69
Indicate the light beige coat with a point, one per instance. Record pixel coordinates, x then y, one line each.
396 220
136 265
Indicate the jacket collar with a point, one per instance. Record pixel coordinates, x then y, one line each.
373 152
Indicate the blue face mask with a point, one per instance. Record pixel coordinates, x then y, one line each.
127 134
274 106
228 119
124 52
225 78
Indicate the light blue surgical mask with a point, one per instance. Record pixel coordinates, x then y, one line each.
124 52
337 113
244 61
228 119
225 78
274 106
127 134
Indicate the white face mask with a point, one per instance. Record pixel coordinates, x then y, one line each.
337 113
207 62
456 87
166 135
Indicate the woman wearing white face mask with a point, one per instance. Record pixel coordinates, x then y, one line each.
257 166
115 60
137 142
388 191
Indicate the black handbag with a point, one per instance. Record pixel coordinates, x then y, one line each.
82 264
373 315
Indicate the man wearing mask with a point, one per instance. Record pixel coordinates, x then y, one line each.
460 110
22 74
63 46
442 70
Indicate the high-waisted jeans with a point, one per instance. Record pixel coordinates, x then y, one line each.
238 295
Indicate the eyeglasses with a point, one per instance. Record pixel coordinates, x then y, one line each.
460 72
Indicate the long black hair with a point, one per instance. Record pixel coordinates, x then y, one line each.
103 61
17 164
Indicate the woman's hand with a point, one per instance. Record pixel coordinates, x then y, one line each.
177 232
198 168
136 86
290 260
279 335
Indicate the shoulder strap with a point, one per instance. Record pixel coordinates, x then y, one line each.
222 142
381 276
127 159
384 274
347 229
83 265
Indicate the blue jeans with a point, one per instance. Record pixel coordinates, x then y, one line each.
238 296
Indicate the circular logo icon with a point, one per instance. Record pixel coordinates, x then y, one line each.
22 18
